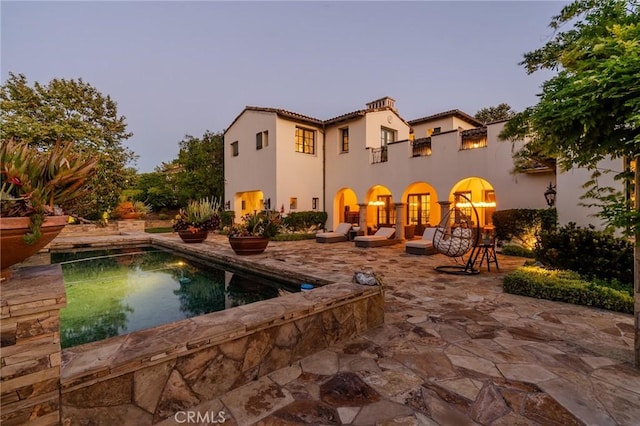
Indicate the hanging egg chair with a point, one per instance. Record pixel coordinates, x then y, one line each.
455 236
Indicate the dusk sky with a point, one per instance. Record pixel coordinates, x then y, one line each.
177 68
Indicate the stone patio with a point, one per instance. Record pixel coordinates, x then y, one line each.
454 350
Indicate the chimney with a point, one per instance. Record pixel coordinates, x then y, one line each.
385 102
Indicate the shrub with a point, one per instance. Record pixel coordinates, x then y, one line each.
304 221
566 286
163 216
294 237
591 253
227 217
517 251
521 226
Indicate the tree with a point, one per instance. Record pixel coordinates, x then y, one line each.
200 167
591 109
76 111
157 189
497 113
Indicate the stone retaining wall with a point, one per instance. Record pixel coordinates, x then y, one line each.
145 377
30 360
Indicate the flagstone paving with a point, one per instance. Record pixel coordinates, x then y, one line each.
453 350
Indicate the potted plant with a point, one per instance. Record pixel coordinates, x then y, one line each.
194 222
128 209
252 235
33 185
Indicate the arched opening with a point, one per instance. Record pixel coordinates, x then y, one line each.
249 202
482 196
422 208
380 209
346 208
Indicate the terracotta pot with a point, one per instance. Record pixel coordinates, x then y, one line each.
248 245
14 250
193 237
131 215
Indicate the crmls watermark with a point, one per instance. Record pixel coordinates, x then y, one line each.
208 417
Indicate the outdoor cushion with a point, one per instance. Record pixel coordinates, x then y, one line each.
340 234
382 237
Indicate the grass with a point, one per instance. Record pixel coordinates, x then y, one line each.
568 286
162 230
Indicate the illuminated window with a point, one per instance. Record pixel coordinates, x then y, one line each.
490 206
463 210
474 138
293 203
305 140
418 211
385 211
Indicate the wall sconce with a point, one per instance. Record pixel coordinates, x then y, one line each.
550 195
267 204
227 205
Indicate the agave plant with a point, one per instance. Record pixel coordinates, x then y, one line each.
199 215
35 183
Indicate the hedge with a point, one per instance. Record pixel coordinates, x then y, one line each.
566 286
591 253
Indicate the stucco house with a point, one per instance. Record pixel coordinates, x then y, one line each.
373 168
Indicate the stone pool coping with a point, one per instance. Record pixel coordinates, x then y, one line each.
273 333
92 362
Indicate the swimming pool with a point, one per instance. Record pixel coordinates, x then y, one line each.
117 291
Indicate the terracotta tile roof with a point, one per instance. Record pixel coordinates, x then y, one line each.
346 117
288 114
354 115
454 112
478 131
282 113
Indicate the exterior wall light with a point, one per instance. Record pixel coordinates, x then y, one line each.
550 195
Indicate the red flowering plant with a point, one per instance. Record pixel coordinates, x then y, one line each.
199 215
34 183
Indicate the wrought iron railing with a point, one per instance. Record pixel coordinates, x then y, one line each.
421 147
379 155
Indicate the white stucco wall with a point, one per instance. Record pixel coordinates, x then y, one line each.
447 166
281 173
252 169
298 175
276 170
569 190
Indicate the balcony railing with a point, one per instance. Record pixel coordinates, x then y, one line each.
474 138
421 147
379 155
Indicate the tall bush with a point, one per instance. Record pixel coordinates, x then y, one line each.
521 226
586 251
303 221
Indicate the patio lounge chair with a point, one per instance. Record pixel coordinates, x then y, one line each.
423 246
340 234
382 237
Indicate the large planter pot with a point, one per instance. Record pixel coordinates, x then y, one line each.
14 250
248 245
193 237
131 216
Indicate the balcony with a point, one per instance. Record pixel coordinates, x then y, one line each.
379 155
474 138
421 147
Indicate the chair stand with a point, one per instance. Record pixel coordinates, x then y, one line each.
466 269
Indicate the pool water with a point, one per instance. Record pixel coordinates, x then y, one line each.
118 291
